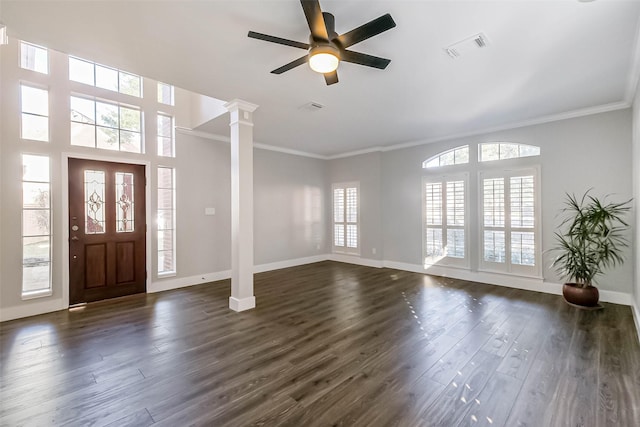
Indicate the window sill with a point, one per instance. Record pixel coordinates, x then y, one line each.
36 294
167 274
347 253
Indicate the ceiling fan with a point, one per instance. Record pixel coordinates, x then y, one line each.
326 48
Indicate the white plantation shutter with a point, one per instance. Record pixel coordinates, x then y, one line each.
509 210
434 245
345 218
445 220
493 196
352 217
522 192
455 201
338 217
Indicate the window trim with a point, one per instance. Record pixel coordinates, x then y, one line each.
171 117
344 249
171 95
119 76
499 143
48 116
22 42
119 129
509 268
425 163
39 293
174 270
446 260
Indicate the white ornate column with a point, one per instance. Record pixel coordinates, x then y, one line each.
241 124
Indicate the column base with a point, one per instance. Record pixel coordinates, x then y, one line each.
242 304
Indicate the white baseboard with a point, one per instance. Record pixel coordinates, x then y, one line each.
175 283
524 283
242 304
355 259
530 284
31 308
289 263
616 297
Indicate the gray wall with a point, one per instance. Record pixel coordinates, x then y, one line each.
203 180
289 206
592 151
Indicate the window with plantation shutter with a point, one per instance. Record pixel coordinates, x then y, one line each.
510 237
345 218
445 212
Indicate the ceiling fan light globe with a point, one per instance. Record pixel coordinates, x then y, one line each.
324 59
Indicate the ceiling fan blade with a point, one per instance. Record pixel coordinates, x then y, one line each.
290 65
364 59
313 13
331 78
278 40
368 30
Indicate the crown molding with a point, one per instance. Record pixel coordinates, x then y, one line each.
289 151
356 153
205 135
223 138
605 108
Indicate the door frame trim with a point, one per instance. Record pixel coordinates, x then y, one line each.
64 220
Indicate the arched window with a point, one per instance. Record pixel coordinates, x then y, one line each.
489 151
455 156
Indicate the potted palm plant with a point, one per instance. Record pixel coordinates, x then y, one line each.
592 238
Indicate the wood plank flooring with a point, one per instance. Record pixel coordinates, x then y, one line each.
329 344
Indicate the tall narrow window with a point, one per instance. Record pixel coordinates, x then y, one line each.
165 94
510 239
34 58
35 113
165 135
36 225
445 236
166 221
346 203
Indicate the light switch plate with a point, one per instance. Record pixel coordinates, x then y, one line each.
209 211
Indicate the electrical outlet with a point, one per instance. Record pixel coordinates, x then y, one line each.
373 251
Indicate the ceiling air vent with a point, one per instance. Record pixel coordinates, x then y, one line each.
312 106
477 41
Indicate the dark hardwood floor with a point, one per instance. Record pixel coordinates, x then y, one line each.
328 344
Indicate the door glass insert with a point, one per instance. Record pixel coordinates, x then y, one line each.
94 184
124 199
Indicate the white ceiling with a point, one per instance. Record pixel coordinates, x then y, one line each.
545 59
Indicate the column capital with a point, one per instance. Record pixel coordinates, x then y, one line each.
239 104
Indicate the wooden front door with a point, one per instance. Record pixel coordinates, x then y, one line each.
107 229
